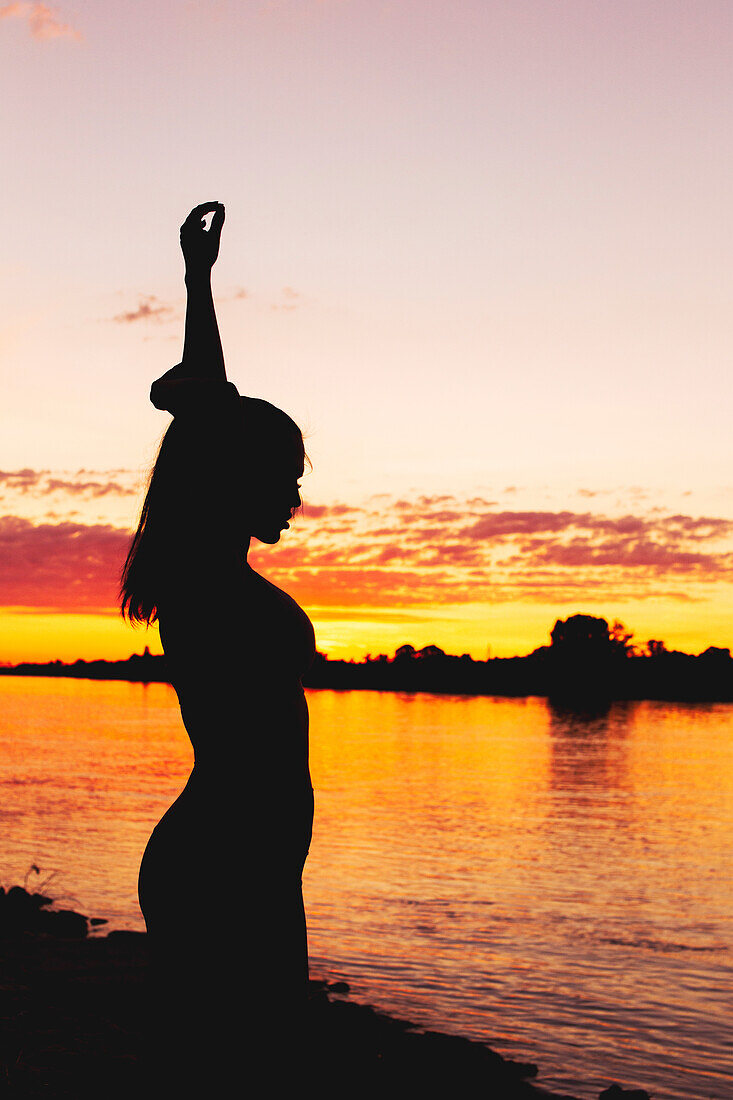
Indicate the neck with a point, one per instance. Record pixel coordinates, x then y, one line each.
232 555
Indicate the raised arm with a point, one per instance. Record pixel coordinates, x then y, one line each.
202 352
186 385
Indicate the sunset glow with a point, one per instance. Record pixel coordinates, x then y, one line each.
480 251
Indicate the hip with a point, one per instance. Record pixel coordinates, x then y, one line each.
207 832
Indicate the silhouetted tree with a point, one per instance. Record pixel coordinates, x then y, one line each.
620 639
587 664
581 636
716 654
586 656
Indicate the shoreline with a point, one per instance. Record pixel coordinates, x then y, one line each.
71 1011
583 701
588 663
71 1027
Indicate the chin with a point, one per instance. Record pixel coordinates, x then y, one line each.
270 537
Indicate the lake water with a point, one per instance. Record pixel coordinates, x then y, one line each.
557 885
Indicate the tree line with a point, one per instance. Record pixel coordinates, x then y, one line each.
586 659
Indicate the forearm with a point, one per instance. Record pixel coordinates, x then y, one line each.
186 387
202 351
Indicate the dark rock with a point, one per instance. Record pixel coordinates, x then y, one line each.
338 987
525 1069
22 912
615 1092
123 935
64 923
72 1022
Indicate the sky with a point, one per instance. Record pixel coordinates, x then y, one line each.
478 249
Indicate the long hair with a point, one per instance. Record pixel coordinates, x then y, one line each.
195 493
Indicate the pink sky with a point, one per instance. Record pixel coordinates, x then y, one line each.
478 250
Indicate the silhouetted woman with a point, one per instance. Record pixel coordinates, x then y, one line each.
220 880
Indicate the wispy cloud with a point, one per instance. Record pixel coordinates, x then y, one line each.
43 21
290 299
23 481
40 483
149 308
87 488
320 511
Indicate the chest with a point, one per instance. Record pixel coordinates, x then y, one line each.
245 628
273 627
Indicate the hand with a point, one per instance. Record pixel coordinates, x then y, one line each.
200 246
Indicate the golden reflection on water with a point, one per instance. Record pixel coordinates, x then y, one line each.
86 769
420 779
557 884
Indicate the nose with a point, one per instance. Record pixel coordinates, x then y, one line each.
294 500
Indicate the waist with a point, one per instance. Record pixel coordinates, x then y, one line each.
261 784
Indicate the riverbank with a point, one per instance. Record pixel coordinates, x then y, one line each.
70 1008
576 678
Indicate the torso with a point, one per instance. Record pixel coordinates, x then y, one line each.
241 828
236 664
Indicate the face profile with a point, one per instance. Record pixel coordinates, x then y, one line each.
271 482
272 508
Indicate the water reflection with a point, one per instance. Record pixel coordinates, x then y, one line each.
557 882
588 746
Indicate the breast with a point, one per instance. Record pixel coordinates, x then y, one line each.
236 657
275 626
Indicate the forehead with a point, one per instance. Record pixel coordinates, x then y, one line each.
287 461
293 457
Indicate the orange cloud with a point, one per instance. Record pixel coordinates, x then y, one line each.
64 566
420 553
394 553
21 480
43 22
